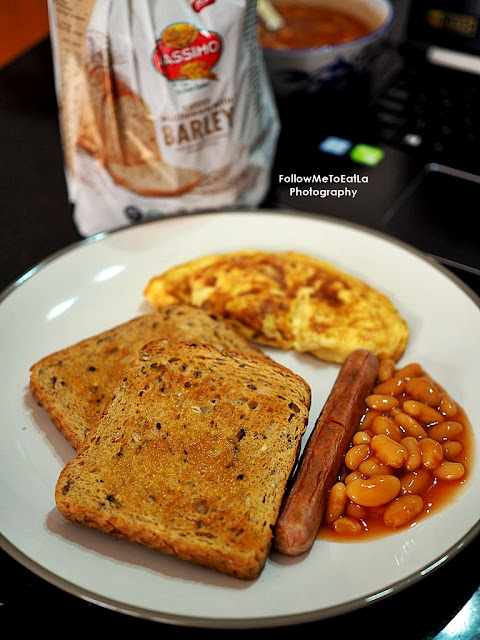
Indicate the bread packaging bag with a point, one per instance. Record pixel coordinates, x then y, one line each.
165 108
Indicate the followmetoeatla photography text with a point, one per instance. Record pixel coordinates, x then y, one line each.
323 186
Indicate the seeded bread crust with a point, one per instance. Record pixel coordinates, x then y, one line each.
192 456
75 383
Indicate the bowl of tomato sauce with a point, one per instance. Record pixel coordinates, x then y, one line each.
323 43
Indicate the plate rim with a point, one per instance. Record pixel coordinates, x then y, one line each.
252 622
258 622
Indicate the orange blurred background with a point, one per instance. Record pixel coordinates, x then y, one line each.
24 24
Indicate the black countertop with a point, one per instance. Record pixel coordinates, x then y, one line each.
36 221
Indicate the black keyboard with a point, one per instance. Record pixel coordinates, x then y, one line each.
435 113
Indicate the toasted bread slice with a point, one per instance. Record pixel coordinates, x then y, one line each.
74 384
287 300
192 456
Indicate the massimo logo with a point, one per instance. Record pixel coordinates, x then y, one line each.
184 52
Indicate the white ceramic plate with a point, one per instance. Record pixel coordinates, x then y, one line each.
98 283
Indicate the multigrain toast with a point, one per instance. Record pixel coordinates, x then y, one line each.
192 456
287 300
75 383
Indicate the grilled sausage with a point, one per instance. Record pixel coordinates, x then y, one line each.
305 499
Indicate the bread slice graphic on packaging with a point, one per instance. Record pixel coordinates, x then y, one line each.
133 157
75 383
192 456
153 178
88 136
118 127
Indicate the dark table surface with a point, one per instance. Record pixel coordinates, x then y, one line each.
36 221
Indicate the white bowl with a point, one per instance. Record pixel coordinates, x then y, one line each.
329 67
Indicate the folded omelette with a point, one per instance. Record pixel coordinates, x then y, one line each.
287 300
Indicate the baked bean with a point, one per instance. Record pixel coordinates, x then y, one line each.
424 390
409 439
402 510
421 411
381 402
387 426
392 386
414 458
373 467
450 470
445 430
390 452
451 449
336 503
361 437
417 481
394 410
368 418
355 455
353 476
374 491
354 510
432 453
375 511
411 426
386 369
411 370
447 406
346 526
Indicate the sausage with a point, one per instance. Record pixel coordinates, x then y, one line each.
305 499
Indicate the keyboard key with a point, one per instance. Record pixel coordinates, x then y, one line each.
390 118
391 105
398 93
412 139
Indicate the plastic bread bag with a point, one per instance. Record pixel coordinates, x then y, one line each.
165 107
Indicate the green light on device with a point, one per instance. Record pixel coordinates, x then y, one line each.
366 154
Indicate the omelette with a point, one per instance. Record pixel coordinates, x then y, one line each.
287 300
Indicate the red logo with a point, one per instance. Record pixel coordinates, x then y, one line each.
197 5
185 52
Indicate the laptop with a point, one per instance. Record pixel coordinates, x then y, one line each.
403 144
